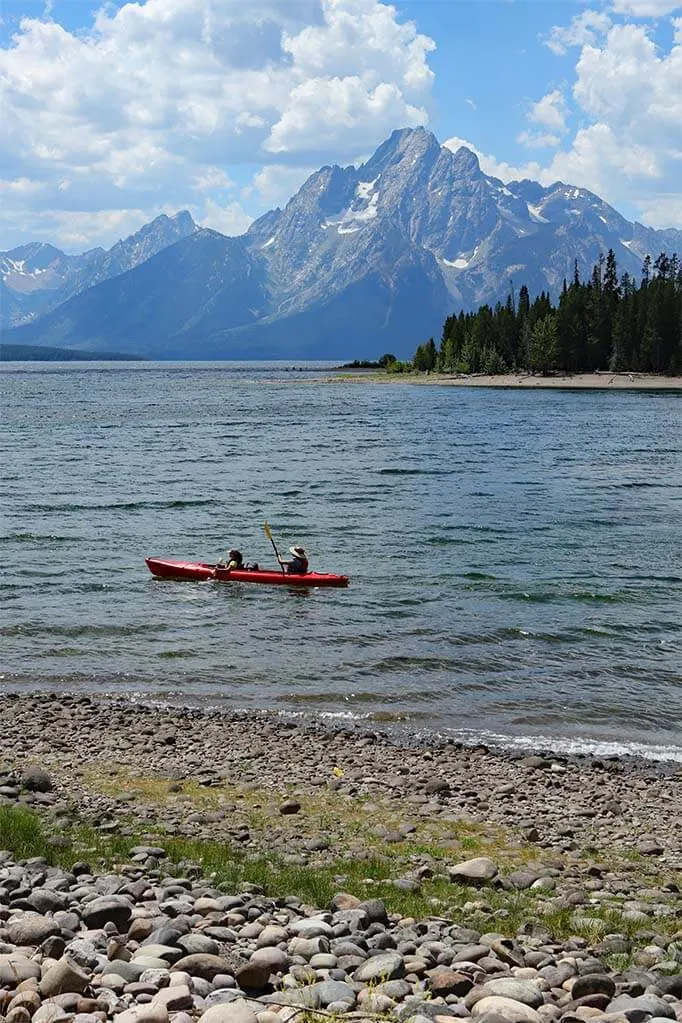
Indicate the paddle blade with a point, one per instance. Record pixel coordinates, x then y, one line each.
267 530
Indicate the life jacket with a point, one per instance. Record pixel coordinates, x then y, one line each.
297 566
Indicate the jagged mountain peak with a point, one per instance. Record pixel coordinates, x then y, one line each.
36 252
360 260
164 228
38 277
466 163
405 147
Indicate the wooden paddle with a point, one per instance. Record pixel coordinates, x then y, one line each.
268 533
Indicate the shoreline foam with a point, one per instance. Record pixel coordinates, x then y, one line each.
322 798
413 731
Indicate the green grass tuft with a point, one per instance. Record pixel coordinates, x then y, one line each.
22 833
25 834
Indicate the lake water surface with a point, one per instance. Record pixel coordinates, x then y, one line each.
514 555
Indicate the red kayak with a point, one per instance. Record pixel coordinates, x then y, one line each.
165 568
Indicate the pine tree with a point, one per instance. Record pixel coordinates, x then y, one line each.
599 324
544 344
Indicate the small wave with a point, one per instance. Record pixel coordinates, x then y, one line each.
378 716
635 485
570 746
121 506
543 637
402 661
557 596
449 541
76 631
415 472
65 651
40 538
655 579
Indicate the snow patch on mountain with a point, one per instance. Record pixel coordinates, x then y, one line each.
365 188
536 214
39 277
432 234
362 209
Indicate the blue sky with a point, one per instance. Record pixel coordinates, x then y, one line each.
114 113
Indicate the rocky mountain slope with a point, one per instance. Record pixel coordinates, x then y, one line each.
36 278
360 261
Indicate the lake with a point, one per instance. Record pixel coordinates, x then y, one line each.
514 555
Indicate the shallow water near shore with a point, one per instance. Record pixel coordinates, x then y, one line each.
514 555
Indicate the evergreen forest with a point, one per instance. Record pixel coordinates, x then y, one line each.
604 323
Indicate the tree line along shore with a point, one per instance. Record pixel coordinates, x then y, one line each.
604 323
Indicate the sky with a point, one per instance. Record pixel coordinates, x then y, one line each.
112 114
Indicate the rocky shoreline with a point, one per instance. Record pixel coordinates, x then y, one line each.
549 887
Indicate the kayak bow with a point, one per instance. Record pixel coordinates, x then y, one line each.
166 568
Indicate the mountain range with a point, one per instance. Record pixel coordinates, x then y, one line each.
36 278
361 260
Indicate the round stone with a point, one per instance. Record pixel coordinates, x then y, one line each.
473 872
385 966
28 928
507 1009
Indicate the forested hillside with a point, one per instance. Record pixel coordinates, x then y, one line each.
604 323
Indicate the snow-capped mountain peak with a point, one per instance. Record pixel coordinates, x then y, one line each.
37 277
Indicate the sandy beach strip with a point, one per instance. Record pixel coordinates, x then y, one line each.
575 381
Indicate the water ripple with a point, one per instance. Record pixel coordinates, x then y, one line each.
513 556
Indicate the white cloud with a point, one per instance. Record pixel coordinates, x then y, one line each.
629 84
342 112
584 29
21 187
276 183
77 230
230 219
600 161
499 168
538 140
212 179
646 8
365 35
628 94
661 210
162 97
550 111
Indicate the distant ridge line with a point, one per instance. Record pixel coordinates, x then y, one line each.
38 353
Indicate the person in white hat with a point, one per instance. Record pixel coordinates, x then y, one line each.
298 565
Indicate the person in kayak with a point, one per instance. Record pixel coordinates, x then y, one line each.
299 562
235 559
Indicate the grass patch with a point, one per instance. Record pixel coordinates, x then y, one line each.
350 821
25 834
22 833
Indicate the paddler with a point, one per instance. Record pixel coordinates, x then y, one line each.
298 565
235 559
